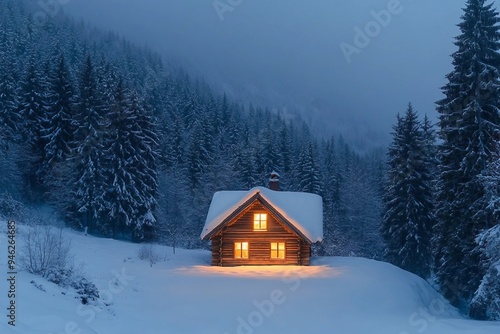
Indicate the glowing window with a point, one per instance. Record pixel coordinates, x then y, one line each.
260 222
277 250
241 250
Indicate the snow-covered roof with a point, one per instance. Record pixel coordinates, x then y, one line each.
304 211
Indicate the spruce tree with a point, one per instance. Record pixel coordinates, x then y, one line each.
145 139
308 174
33 109
61 126
486 301
469 121
9 116
129 169
88 188
408 213
121 194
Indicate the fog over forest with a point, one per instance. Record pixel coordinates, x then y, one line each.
287 54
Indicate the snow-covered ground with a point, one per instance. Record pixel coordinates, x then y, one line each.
184 294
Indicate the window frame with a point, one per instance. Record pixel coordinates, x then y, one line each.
239 252
276 251
257 218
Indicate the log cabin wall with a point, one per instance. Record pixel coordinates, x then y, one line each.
240 229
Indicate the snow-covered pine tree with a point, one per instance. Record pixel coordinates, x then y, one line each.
61 125
408 207
330 196
486 301
121 195
359 209
144 137
285 154
33 110
130 168
197 156
88 188
268 154
485 304
429 137
9 116
469 121
243 162
308 173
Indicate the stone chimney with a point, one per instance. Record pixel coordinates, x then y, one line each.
274 181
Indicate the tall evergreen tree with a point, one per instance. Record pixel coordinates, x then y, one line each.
9 116
408 214
486 301
128 169
33 110
144 138
308 173
429 138
88 188
469 120
197 156
61 126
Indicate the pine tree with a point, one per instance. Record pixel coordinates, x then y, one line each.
308 173
121 194
129 168
33 111
268 155
486 301
469 121
197 156
88 189
408 214
485 304
9 116
330 196
61 127
244 162
144 137
429 138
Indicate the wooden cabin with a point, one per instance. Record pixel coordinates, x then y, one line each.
263 227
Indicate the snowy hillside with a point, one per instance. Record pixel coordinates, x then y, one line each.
183 294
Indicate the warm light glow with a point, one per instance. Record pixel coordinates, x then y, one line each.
260 221
241 250
263 272
277 250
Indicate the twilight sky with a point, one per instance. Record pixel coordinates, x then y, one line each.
347 65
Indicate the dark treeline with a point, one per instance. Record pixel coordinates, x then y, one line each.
125 147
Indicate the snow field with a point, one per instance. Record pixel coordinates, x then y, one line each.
184 294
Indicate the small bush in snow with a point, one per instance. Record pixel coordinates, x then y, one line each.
87 291
148 253
46 253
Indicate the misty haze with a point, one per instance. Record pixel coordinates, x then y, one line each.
285 55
